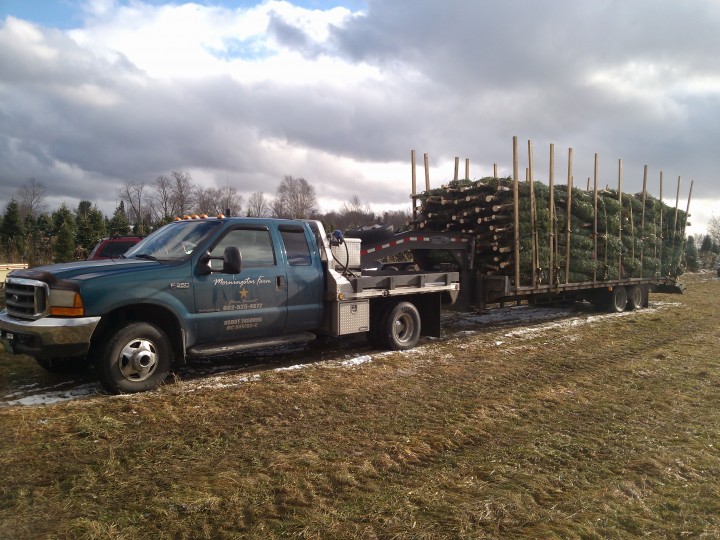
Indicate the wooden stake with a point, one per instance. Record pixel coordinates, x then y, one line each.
467 169
595 220
457 167
642 221
516 212
551 204
620 218
414 185
568 213
677 203
533 218
427 172
494 170
661 223
675 231
687 213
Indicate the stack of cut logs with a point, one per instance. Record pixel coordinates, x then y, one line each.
617 240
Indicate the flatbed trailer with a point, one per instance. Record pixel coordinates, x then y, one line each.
478 290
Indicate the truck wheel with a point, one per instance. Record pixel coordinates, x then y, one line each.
64 364
401 327
635 297
618 300
376 336
137 358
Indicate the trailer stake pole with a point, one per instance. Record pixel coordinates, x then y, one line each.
595 221
516 212
643 236
414 185
427 172
620 220
568 214
551 217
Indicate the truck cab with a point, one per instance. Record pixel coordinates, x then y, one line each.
194 287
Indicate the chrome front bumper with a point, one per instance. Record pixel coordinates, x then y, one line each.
48 336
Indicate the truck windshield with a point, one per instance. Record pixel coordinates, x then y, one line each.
174 241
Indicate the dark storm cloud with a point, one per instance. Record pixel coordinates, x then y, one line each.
633 80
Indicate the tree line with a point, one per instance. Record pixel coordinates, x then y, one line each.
31 233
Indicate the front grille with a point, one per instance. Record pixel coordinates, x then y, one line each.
26 298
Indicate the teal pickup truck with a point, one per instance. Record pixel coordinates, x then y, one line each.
209 286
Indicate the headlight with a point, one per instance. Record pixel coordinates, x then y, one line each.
65 303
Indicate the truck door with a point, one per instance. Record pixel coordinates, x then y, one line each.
252 304
305 279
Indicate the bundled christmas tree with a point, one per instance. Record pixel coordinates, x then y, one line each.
615 238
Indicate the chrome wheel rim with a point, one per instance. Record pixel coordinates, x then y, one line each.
404 327
138 360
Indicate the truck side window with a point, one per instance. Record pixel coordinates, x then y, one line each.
296 246
254 245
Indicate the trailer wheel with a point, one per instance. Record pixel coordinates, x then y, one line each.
635 297
618 300
401 327
137 358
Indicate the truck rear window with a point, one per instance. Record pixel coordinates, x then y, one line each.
296 247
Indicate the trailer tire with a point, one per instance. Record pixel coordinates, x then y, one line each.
401 327
137 358
618 300
635 297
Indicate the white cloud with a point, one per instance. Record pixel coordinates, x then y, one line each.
249 94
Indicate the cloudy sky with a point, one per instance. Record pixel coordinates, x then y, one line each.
94 93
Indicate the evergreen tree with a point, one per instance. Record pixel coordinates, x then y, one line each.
97 222
119 224
11 233
706 243
42 241
90 228
65 242
692 260
141 228
60 216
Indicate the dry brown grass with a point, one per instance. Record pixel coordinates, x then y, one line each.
607 429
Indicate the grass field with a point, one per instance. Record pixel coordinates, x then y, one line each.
592 427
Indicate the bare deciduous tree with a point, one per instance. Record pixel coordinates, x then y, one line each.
258 205
162 198
713 229
132 195
31 199
295 198
205 199
182 193
229 201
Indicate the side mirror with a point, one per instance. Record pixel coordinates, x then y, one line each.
232 260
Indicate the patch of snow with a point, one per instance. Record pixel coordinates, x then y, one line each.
47 398
356 361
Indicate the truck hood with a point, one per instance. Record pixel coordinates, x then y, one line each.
84 270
